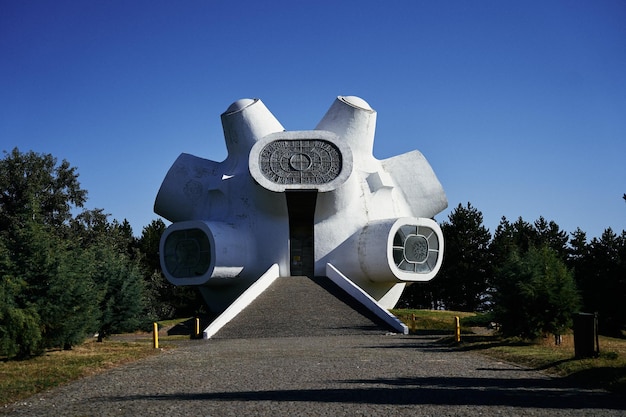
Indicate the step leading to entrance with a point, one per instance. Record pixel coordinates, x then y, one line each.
302 306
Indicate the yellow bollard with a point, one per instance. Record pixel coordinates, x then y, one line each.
457 329
197 327
155 335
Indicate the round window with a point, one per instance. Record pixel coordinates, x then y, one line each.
187 253
415 249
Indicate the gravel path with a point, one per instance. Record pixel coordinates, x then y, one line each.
371 375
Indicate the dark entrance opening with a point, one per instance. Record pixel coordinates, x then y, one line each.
301 207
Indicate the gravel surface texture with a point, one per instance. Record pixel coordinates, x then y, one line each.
337 375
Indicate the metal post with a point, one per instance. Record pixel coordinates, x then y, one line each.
155 335
197 327
457 329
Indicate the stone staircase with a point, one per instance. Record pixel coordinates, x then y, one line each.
302 306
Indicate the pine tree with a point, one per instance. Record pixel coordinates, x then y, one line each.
59 286
466 272
20 335
602 277
122 300
62 277
534 294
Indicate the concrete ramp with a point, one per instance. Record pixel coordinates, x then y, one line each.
302 306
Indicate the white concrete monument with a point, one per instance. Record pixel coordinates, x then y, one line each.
313 202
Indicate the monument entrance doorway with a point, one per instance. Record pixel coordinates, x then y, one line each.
301 208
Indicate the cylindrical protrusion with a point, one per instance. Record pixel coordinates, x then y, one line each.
406 249
246 121
353 120
184 193
457 329
194 252
155 335
197 333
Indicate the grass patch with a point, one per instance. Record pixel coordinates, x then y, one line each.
435 321
608 371
173 322
22 379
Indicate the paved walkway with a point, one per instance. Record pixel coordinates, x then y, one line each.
348 375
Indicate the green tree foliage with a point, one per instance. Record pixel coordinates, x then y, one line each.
121 295
59 286
534 294
33 186
19 325
599 269
463 280
601 276
521 236
156 285
466 272
45 295
549 234
62 277
114 268
511 238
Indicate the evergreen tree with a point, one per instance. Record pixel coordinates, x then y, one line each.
579 261
466 272
501 245
62 277
602 278
534 294
58 286
549 233
118 280
166 299
45 294
522 235
20 335
578 250
121 299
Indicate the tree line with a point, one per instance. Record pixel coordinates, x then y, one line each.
531 277
68 272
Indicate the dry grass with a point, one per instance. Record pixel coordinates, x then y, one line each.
21 379
432 321
606 371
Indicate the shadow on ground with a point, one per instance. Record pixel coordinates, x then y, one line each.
539 393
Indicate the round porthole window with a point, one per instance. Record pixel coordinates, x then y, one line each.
415 249
187 253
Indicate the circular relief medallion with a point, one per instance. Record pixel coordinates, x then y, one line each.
416 248
301 161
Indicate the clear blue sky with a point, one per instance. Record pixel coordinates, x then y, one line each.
520 107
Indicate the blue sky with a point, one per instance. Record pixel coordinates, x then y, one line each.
520 107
